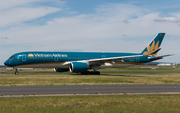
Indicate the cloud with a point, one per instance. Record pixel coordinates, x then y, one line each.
168 19
107 22
173 36
4 37
126 21
7 4
89 32
17 16
17 12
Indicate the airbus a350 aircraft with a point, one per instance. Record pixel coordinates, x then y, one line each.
80 62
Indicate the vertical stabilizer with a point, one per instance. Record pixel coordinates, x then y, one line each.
154 45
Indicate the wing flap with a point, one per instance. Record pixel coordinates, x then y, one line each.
110 60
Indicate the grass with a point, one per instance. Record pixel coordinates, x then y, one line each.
93 104
41 80
111 76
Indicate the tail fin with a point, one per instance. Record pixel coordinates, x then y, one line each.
154 46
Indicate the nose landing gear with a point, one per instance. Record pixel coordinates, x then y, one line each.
16 72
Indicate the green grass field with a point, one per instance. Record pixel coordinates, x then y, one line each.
93 104
34 80
118 76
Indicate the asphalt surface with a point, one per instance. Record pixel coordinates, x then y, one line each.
89 89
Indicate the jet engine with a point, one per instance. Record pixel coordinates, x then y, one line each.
78 67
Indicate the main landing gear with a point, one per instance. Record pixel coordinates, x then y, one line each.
16 72
90 73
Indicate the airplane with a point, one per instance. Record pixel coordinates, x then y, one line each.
81 62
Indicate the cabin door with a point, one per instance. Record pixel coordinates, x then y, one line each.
103 56
24 57
137 59
55 58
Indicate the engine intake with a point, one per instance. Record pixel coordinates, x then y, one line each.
78 67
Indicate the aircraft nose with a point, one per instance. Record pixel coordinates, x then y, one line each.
6 63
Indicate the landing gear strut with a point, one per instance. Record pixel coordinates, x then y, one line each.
90 73
16 72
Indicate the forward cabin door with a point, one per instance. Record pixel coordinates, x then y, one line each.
24 57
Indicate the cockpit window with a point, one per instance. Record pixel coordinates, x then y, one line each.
12 57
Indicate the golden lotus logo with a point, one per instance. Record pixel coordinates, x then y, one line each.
152 48
30 55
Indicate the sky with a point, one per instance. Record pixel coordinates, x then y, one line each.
88 25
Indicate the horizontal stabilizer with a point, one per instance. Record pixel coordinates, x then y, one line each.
159 57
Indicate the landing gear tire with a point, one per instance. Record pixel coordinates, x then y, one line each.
16 72
85 73
97 73
90 73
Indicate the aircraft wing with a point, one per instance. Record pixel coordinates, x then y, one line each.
104 60
100 61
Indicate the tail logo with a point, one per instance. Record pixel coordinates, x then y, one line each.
150 49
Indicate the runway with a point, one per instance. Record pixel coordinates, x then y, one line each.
88 89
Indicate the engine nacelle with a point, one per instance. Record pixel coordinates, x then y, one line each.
60 70
78 67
